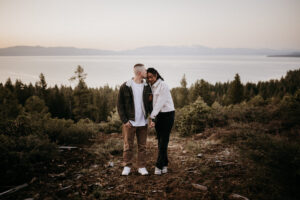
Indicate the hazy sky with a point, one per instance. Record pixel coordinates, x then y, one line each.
127 24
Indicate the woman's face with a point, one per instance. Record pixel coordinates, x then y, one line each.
151 78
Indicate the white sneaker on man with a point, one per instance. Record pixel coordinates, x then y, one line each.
126 171
164 170
143 171
157 171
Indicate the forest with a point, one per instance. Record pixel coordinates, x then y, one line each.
259 121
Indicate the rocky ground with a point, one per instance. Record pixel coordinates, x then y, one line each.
199 168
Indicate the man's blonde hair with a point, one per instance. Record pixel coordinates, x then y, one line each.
138 68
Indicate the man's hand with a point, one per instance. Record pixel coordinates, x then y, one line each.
128 125
152 124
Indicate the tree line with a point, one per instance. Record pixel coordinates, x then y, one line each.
62 102
97 104
235 92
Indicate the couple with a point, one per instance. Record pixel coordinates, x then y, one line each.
136 100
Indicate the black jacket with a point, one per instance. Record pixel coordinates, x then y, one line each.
125 105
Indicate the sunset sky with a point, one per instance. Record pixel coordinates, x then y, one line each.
128 24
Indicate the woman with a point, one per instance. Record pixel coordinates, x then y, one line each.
162 117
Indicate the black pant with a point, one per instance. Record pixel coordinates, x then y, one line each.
163 126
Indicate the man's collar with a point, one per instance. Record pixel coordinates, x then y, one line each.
129 82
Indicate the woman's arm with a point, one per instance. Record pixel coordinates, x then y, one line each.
161 100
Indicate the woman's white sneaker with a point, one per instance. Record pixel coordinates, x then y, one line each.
164 170
126 171
157 171
143 171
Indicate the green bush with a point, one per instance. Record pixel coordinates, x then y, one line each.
113 124
20 155
55 127
217 116
290 110
112 146
257 101
193 118
67 132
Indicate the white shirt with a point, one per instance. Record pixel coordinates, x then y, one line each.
162 99
137 89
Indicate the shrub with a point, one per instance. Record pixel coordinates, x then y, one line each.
19 156
112 146
64 131
112 125
192 119
217 116
257 101
290 110
78 133
55 127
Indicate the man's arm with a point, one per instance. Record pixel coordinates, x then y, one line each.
121 105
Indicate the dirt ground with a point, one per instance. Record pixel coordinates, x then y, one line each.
210 170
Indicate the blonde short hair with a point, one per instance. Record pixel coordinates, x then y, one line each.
138 68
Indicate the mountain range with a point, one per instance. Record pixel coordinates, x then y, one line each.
148 50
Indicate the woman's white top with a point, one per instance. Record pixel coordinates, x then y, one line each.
162 98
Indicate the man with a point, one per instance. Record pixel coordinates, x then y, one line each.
134 105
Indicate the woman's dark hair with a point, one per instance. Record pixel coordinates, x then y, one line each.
154 72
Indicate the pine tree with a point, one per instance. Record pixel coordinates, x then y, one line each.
183 99
236 90
83 107
41 87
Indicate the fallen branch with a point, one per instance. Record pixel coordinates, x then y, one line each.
67 147
134 193
12 190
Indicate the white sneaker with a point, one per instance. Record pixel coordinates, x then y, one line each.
157 171
126 171
164 170
143 171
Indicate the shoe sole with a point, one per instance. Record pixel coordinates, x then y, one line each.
143 174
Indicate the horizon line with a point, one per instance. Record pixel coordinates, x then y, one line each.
158 45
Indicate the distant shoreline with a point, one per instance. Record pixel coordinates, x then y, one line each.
296 55
194 50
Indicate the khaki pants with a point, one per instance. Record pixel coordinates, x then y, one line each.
128 138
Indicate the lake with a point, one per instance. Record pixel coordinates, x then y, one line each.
114 70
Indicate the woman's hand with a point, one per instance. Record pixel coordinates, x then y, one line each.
152 124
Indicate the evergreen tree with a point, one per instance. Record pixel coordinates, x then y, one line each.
236 90
203 89
41 88
9 105
83 107
20 92
57 104
183 95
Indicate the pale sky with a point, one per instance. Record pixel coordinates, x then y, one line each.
128 24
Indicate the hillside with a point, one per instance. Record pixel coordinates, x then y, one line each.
229 141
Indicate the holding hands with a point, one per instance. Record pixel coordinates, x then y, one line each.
152 124
128 125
